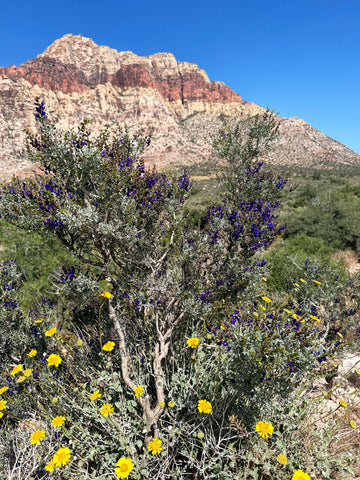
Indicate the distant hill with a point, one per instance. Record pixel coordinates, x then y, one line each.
174 101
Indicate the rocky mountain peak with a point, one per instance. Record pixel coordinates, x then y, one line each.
173 100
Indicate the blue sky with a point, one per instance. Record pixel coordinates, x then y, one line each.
298 57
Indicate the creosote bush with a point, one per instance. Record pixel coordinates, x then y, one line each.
162 355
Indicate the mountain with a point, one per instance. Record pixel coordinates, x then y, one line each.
173 100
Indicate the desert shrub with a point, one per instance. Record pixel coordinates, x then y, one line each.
171 358
330 213
38 255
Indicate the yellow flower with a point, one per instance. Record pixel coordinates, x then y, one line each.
28 372
264 279
297 317
37 436
95 395
357 371
105 294
139 390
352 424
51 332
171 404
123 467
54 359
204 406
339 334
16 369
342 403
300 475
108 346
61 457
302 280
1 414
264 429
58 421
314 318
39 320
282 459
32 353
155 446
162 404
49 467
192 342
106 409
3 390
297 285
79 343
3 404
287 311
263 308
317 282
21 379
266 299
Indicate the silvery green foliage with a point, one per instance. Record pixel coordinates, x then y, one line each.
169 281
13 326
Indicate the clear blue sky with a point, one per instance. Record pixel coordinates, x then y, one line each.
299 57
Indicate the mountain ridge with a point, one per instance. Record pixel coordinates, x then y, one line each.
173 100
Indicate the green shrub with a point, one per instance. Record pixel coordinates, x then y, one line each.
170 356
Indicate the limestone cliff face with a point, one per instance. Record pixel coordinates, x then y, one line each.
174 101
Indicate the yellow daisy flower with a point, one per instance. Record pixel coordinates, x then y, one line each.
105 294
39 320
123 467
32 353
49 467
171 404
21 379
155 446
3 404
352 424
317 282
16 370
51 332
62 456
266 299
95 395
106 409
139 390
192 342
282 459
108 346
204 406
54 360
28 372
300 475
314 317
37 436
264 429
58 421
342 403
3 390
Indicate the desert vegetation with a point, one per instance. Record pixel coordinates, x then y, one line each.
166 345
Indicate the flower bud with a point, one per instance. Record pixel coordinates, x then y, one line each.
200 435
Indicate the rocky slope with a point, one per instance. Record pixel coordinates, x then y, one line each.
174 101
